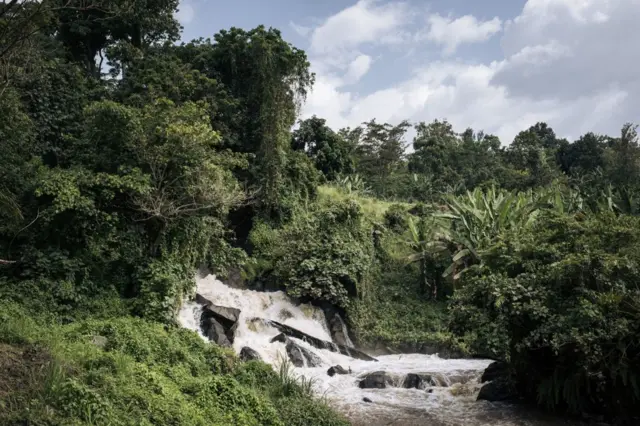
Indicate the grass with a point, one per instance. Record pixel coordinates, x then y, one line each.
373 208
145 374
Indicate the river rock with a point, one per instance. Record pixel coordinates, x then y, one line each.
279 338
300 356
228 317
213 317
494 371
315 342
339 331
248 354
214 331
337 369
501 389
418 381
375 380
365 399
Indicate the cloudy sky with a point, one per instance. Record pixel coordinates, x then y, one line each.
493 65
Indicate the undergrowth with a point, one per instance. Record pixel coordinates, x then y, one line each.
129 371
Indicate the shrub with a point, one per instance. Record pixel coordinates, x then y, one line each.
560 302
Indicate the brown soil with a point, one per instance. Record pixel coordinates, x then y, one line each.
22 370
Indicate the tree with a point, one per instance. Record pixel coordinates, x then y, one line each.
585 155
379 152
89 29
435 145
427 243
533 154
330 152
267 79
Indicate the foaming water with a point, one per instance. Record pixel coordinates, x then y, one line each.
451 402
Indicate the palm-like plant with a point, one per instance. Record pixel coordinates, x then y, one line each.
426 241
354 184
478 217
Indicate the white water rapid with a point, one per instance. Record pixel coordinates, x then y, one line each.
451 403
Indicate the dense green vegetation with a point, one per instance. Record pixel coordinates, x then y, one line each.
127 371
129 160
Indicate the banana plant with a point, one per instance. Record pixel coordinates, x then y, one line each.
426 241
478 217
354 184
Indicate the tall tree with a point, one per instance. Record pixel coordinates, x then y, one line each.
330 152
380 151
267 79
88 28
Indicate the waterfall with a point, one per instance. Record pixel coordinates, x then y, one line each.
415 388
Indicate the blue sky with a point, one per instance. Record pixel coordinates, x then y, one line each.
494 65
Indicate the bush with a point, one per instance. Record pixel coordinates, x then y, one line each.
561 303
324 254
129 371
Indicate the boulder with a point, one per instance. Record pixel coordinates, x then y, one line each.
248 354
418 381
339 331
494 371
228 317
214 331
300 356
217 321
315 342
365 399
336 369
501 389
279 338
375 380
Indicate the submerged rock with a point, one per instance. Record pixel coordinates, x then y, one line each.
302 357
248 354
443 350
375 380
337 369
418 381
365 399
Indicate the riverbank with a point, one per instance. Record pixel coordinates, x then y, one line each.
128 371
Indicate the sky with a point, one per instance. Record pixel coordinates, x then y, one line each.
498 66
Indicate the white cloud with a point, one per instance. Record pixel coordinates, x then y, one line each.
185 13
368 21
358 68
571 63
451 33
301 30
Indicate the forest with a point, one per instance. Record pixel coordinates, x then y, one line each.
129 159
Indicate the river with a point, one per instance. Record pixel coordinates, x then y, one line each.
449 401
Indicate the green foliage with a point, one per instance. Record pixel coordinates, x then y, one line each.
323 253
127 371
330 152
559 301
